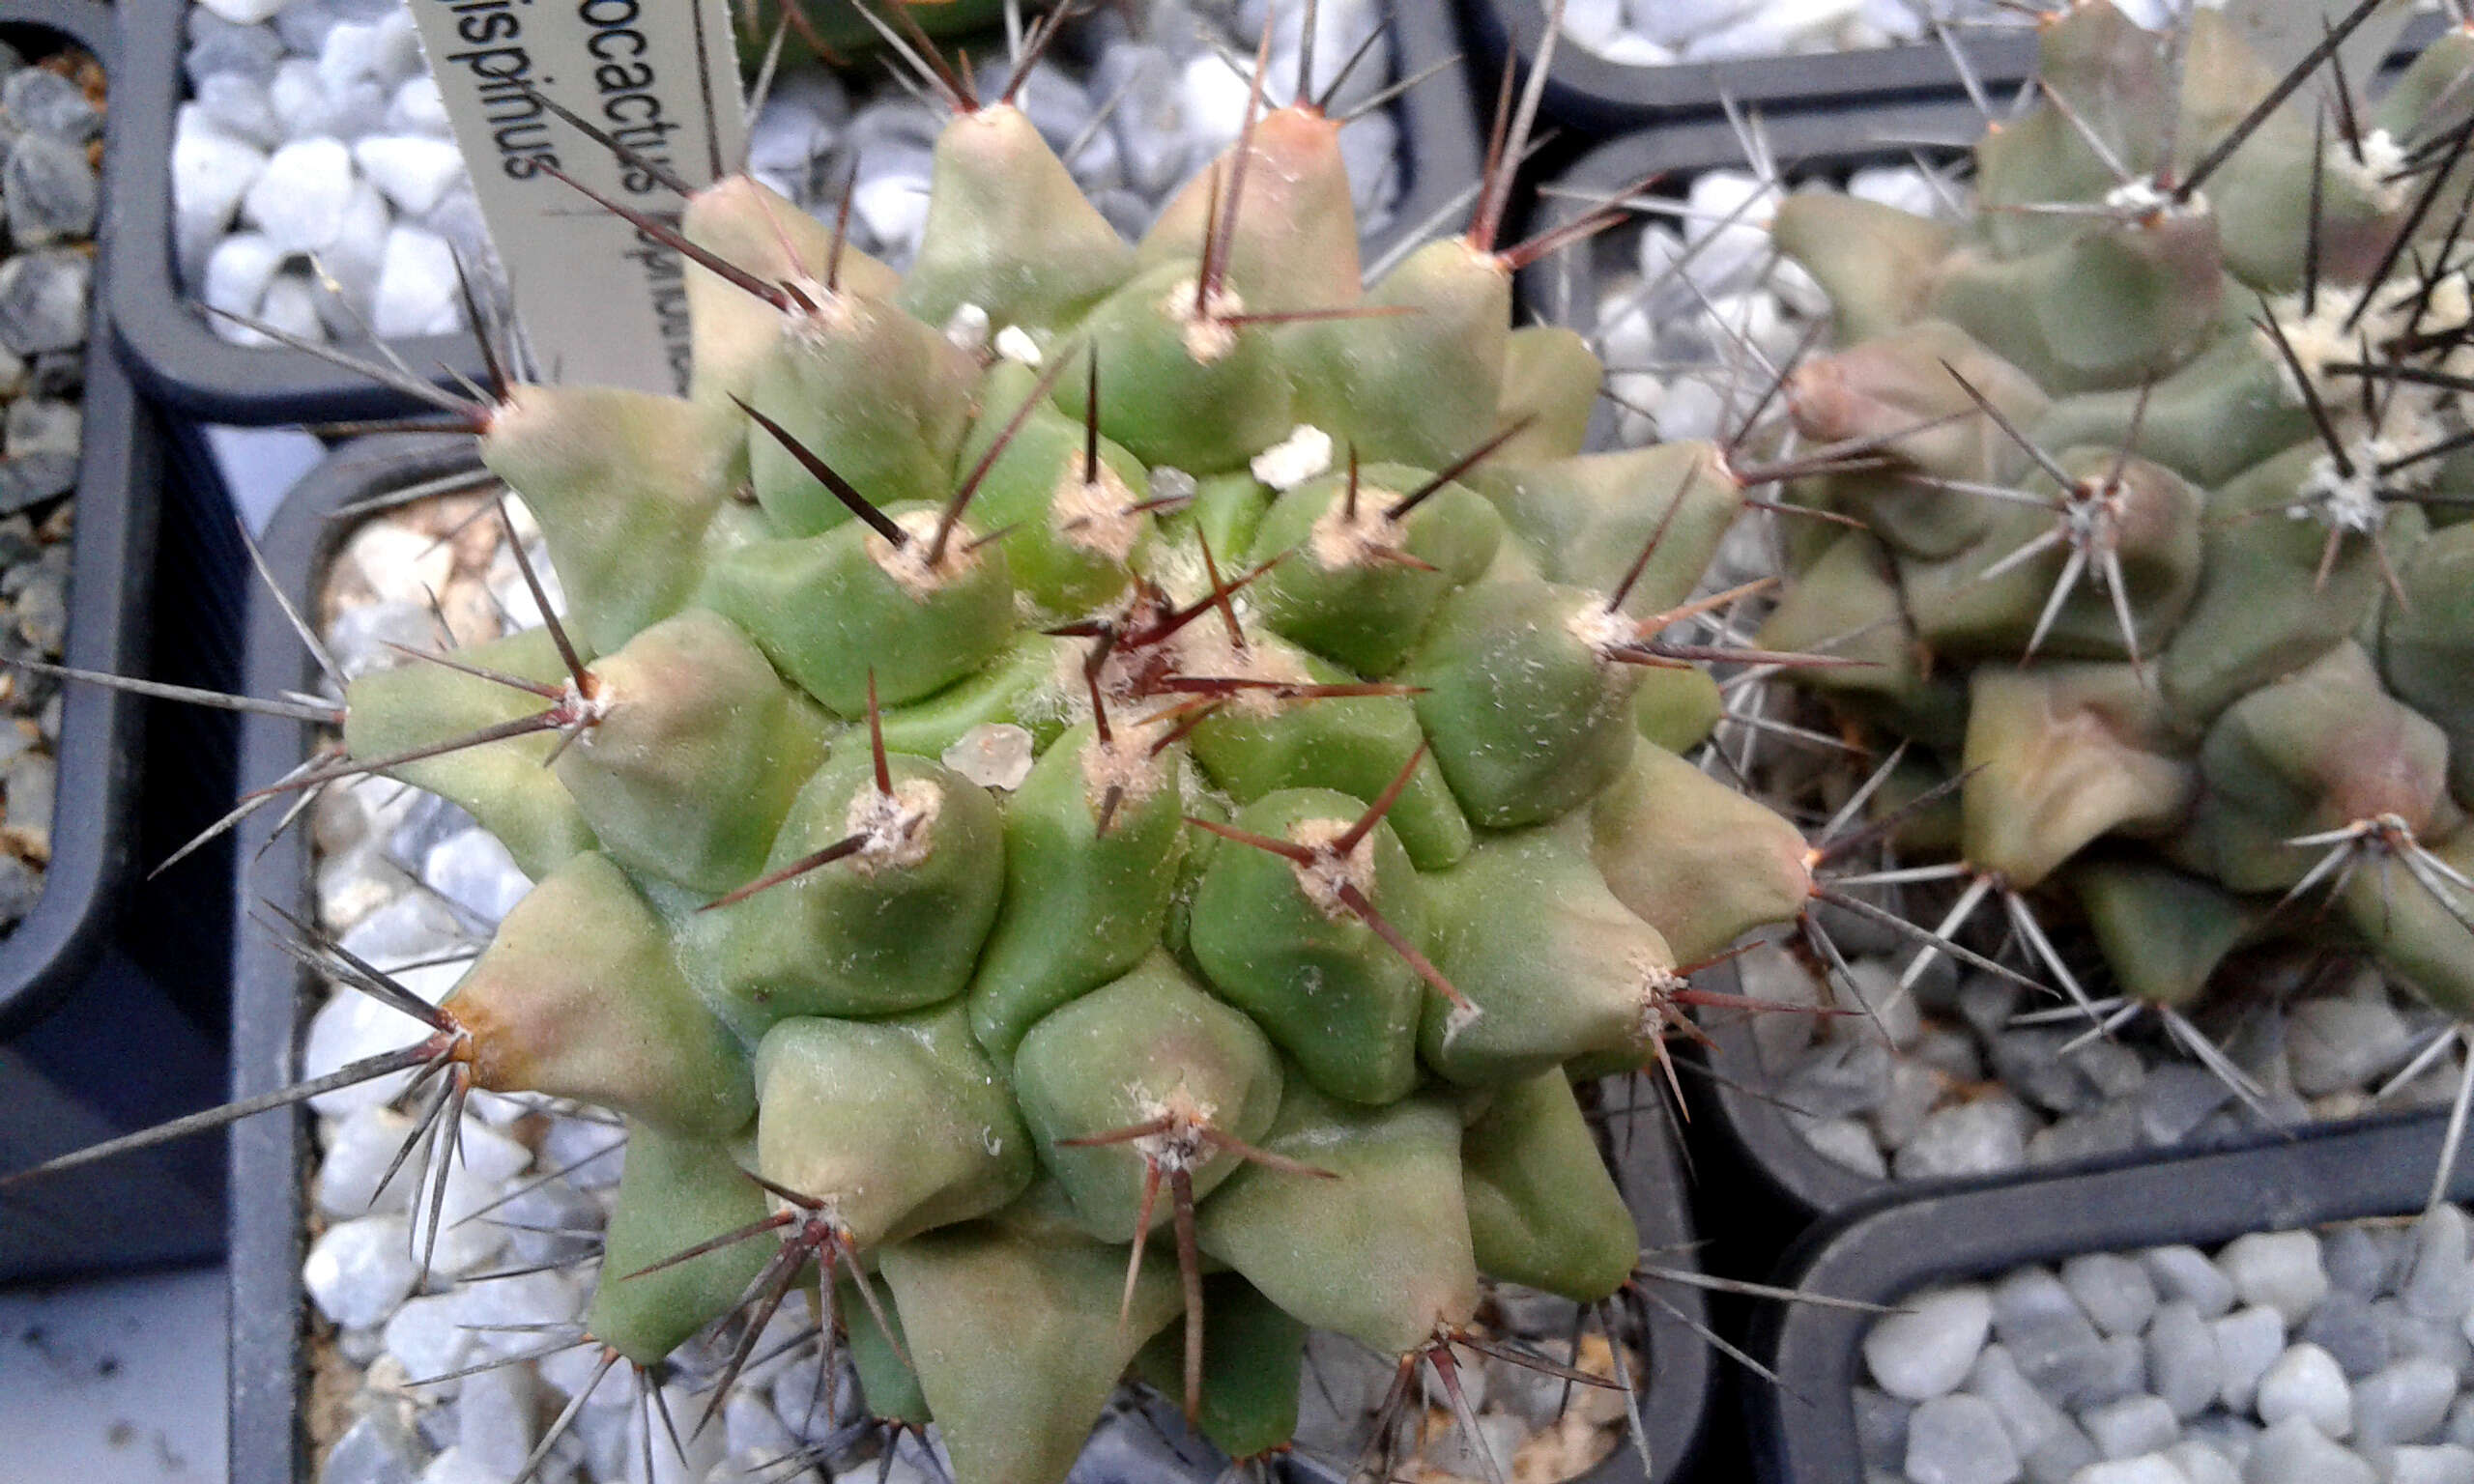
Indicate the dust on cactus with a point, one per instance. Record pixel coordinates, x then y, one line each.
2181 616
1085 748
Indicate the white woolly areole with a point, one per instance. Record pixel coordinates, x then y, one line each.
1180 1145
994 755
908 566
2377 174
1655 986
2320 339
1124 764
1096 514
1208 335
2143 197
834 315
1603 630
967 328
894 827
2334 498
1014 344
1304 454
1321 881
1339 541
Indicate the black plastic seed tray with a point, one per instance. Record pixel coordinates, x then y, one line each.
1804 1431
102 1030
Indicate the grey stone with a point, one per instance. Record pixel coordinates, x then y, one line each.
2345 1326
2130 1427
2202 1463
58 373
1846 1141
2184 1272
1928 1349
33 783
1949 1052
379 1449
362 1145
43 425
2182 1363
217 47
43 300
2115 1290
1987 1002
2031 1420
2054 1346
2402 1403
2247 1341
426 1336
2106 1128
2176 1098
475 872
2438 1284
358 1272
50 189
1987 1136
2114 1070
2460 1426
1958 1440
2358 1262
2444 1463
2277 1269
2030 1060
2343 1044
1840 1077
1914 1088
2294 1452
237 106
2061 1457
2305 1382
20 888
32 479
2408 1337
45 103
1881 1427
2146 1469
2120 1371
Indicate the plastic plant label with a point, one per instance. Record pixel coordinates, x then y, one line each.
661 76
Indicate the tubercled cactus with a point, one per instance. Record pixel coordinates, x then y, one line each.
1102 844
2181 616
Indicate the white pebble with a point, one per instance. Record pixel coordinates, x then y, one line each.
418 108
244 12
239 272
400 564
2294 1452
2146 1469
300 199
2130 1427
357 1157
359 1270
417 287
210 172
2306 1383
473 871
427 1337
1928 1350
494 1417
2444 1463
454 1465
994 755
1304 454
413 170
2280 1269
2247 1341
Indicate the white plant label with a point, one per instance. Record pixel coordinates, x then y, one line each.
594 297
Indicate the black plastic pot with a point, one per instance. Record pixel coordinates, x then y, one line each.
1588 92
272 997
1804 1430
99 1034
186 365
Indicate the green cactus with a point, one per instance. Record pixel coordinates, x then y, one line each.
1336 675
2171 601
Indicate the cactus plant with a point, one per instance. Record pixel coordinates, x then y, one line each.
1176 772
2175 603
